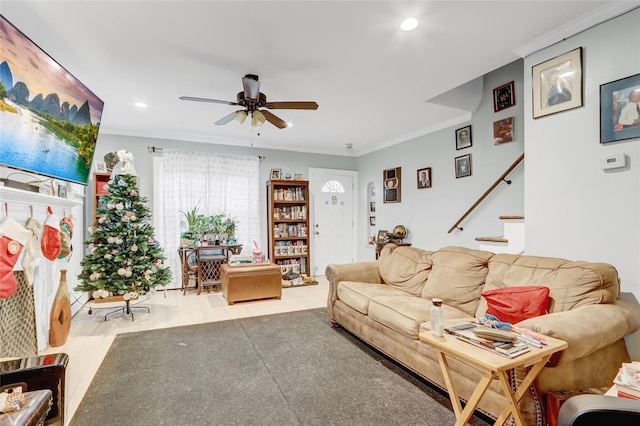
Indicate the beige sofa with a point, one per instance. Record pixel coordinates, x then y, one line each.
387 304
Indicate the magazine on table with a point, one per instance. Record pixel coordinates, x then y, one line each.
627 380
508 349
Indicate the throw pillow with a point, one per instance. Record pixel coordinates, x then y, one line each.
515 304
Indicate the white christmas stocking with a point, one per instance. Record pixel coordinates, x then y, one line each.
31 257
12 238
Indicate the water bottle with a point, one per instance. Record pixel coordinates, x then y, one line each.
437 317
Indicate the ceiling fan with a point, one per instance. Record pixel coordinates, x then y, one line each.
252 99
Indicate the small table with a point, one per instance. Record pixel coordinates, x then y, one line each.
260 281
493 366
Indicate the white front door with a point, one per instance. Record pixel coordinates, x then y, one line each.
333 220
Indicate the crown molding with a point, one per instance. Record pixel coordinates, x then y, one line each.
604 13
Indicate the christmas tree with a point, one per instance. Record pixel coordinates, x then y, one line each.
124 257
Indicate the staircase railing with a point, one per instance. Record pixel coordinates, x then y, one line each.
502 178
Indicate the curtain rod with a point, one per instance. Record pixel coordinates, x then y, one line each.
155 149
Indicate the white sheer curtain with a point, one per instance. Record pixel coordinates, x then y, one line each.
215 183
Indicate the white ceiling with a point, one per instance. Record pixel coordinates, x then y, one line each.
370 79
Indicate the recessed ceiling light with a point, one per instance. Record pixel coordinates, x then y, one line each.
409 24
140 104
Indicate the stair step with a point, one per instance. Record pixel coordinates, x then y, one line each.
511 217
493 239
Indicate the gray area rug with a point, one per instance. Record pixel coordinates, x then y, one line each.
284 369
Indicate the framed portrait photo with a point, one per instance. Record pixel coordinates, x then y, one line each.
504 97
463 166
620 109
424 178
463 137
557 84
276 174
372 220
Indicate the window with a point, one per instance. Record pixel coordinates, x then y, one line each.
333 186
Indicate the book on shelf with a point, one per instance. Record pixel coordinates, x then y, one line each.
465 333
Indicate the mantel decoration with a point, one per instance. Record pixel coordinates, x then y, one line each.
124 257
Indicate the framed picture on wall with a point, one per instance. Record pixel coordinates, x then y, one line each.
620 109
392 179
463 137
557 84
503 131
504 97
372 220
463 166
424 178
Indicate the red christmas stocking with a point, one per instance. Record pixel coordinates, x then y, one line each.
12 238
50 242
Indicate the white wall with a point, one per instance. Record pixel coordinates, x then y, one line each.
573 208
289 162
429 213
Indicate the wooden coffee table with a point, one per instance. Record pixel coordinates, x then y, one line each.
492 366
251 282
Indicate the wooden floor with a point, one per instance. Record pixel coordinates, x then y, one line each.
91 336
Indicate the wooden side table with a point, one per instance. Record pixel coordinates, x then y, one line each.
492 366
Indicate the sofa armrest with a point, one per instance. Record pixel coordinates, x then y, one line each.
586 328
366 272
599 409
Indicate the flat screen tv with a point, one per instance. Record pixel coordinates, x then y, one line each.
49 120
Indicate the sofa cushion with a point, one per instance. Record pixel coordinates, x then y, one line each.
357 295
405 268
457 277
404 314
571 284
515 304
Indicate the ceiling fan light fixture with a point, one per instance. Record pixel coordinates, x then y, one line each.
257 119
240 116
409 24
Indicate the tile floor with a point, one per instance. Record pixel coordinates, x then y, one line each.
91 336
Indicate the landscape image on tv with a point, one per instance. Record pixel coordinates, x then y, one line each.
49 121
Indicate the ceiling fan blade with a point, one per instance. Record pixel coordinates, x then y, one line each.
226 118
275 120
251 86
215 101
291 105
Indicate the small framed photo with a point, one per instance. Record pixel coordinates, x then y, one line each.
504 97
557 84
503 131
372 220
463 137
101 166
424 178
463 166
620 109
276 174
383 236
372 206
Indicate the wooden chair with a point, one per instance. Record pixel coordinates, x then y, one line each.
188 257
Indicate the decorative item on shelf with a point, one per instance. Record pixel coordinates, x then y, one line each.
399 233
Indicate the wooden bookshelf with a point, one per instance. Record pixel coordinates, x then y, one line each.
288 219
